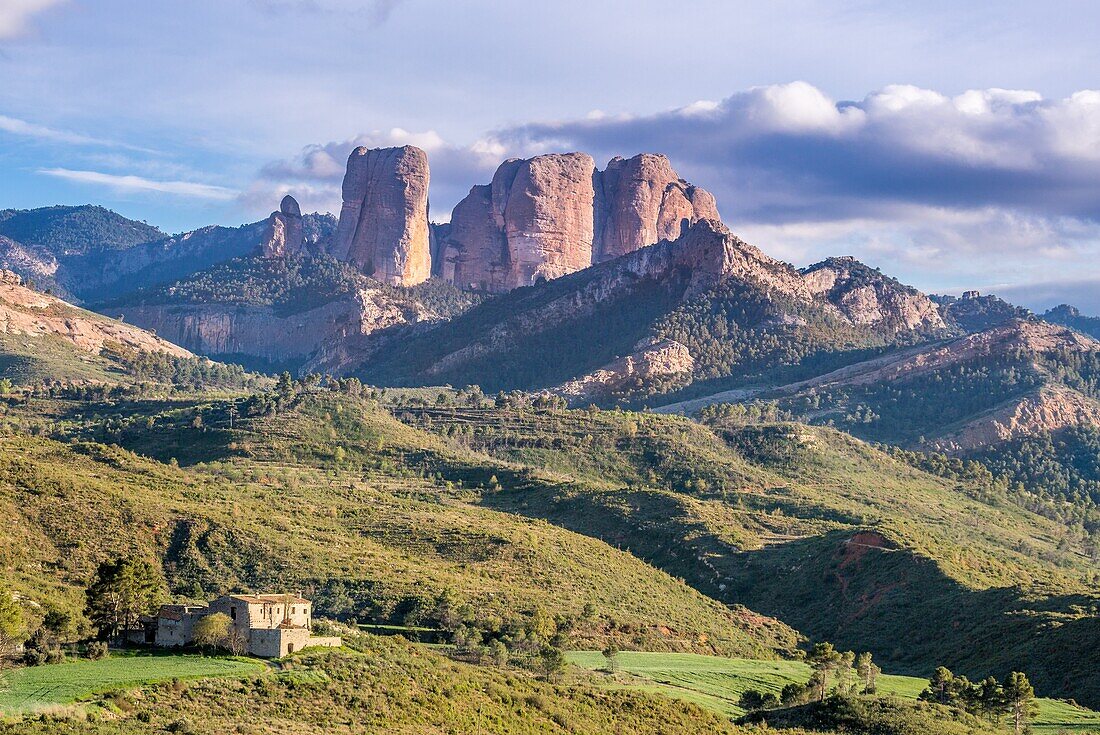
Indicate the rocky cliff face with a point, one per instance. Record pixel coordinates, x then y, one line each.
262 332
284 235
547 216
866 296
644 202
35 264
383 226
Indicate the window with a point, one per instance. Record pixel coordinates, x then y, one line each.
233 612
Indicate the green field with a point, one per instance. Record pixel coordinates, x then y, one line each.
42 687
717 683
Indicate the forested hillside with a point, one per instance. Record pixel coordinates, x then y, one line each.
63 231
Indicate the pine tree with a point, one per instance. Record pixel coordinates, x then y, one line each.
122 591
1019 699
824 658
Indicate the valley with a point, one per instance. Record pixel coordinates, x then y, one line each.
582 425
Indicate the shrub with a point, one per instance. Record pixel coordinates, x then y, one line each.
182 726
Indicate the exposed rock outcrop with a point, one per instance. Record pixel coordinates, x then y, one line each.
1047 409
383 226
284 235
36 315
651 360
34 263
550 215
866 296
534 221
644 202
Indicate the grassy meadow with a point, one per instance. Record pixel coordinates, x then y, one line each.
36 688
717 683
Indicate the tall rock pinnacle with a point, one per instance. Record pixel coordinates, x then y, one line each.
383 226
283 236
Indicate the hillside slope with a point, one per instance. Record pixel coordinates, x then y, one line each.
1020 378
735 310
816 528
372 518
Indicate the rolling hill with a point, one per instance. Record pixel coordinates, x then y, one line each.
813 527
373 518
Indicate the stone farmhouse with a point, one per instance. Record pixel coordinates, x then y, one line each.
272 625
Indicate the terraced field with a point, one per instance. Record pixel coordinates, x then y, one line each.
38 688
718 683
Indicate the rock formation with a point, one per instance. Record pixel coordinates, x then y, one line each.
284 234
645 201
650 360
866 296
547 216
383 226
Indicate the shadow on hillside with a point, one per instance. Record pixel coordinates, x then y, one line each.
861 596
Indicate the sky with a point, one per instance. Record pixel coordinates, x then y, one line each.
953 145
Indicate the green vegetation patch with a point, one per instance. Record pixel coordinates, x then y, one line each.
392 686
64 230
41 687
717 683
290 286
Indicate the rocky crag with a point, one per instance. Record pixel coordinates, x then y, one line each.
383 226
865 296
284 235
550 215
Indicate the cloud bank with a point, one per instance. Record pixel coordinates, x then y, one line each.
790 153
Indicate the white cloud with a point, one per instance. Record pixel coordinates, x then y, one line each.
129 183
15 15
26 129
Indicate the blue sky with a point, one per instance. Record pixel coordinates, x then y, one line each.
953 145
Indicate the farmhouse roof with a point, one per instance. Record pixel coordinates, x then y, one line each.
269 599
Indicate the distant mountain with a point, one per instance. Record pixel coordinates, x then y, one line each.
89 254
65 231
1071 317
